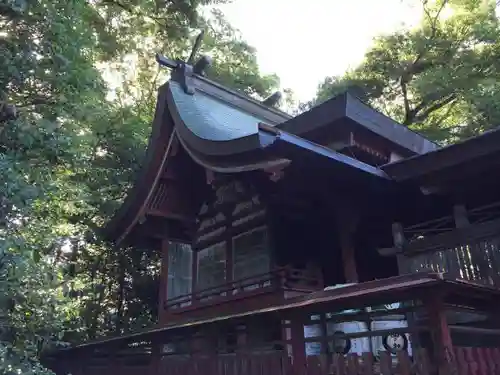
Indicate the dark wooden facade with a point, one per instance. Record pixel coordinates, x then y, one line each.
255 213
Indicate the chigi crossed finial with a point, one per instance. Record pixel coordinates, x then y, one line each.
184 70
198 68
196 47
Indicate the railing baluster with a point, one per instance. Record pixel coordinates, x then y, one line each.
287 278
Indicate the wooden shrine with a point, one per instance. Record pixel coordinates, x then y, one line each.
336 241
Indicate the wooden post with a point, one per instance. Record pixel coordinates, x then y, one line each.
241 338
156 353
440 333
404 267
399 240
229 259
198 344
299 360
77 366
162 296
194 277
347 222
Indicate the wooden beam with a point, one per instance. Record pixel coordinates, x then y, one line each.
460 178
447 240
157 227
171 215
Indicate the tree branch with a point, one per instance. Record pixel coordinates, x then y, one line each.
419 66
434 107
438 121
404 90
134 12
433 20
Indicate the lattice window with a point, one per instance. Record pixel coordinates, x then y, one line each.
180 258
251 255
211 267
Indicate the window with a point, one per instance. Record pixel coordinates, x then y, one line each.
211 267
180 258
251 254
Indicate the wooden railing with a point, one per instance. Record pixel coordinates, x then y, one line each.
470 252
367 364
477 261
468 361
463 361
273 363
104 365
299 279
284 278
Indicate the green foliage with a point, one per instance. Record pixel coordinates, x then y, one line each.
440 78
77 94
50 79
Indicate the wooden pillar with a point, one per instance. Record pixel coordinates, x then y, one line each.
347 222
399 240
440 334
78 364
156 353
229 259
241 338
404 267
194 277
162 296
199 344
299 360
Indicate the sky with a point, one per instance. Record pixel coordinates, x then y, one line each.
304 41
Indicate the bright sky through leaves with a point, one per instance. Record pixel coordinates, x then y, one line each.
305 41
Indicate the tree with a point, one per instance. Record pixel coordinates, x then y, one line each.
119 287
52 89
70 144
441 78
77 97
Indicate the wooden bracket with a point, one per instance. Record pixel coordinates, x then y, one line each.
399 241
398 235
277 172
210 177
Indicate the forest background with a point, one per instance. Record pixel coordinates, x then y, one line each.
78 83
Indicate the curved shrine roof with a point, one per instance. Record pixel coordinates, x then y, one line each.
227 132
